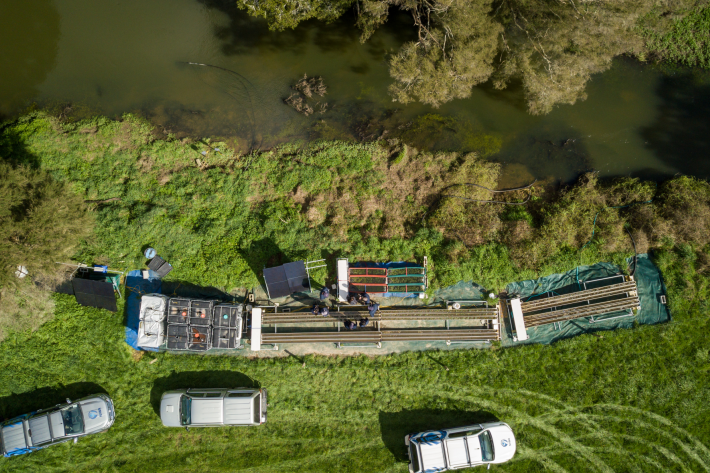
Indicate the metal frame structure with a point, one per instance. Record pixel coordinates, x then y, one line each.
591 303
375 335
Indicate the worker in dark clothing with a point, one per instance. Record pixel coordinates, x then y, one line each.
352 300
364 322
373 307
324 311
364 299
324 293
316 309
349 324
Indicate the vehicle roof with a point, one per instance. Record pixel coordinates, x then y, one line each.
13 437
504 444
432 456
94 413
238 410
40 429
207 411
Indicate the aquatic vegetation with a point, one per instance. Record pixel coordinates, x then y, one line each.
553 50
305 89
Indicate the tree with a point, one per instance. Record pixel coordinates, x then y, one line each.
284 14
41 222
552 46
458 41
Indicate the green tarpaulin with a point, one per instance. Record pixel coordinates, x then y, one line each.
648 281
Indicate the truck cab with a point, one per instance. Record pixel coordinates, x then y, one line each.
461 447
213 407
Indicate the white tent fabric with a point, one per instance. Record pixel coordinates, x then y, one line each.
151 329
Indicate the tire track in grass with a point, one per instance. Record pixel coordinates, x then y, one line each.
657 430
662 420
667 454
620 451
575 447
578 413
299 462
695 453
525 453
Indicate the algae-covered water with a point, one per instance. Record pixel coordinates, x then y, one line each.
133 56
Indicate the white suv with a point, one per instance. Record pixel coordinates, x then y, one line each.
57 424
461 447
213 407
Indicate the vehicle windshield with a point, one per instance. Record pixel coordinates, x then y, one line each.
73 422
185 410
486 447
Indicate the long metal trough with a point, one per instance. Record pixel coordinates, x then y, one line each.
628 287
383 315
369 336
589 310
453 334
375 333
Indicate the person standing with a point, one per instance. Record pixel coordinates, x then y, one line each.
364 322
324 293
324 311
364 299
372 308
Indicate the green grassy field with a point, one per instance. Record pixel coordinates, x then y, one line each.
630 400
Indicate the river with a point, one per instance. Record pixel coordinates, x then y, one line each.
113 57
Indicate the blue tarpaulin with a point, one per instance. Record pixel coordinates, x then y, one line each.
136 286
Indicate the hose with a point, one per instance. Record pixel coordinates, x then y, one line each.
635 253
246 89
494 191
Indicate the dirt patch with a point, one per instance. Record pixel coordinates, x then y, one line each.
123 139
89 130
164 177
137 355
145 163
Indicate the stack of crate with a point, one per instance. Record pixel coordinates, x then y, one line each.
227 326
189 324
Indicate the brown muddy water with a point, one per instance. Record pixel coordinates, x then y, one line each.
114 57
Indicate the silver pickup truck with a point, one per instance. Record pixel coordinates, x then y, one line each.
57 424
462 447
213 407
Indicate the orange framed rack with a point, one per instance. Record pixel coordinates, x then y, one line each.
367 279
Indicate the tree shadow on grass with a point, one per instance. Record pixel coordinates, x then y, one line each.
199 380
396 425
177 288
262 254
42 398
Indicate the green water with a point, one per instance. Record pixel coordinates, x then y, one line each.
130 56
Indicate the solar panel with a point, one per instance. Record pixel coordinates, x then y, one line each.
287 279
160 266
94 294
278 289
297 276
156 263
164 270
65 288
276 282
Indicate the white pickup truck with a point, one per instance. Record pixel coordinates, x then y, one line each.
463 447
57 424
213 407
